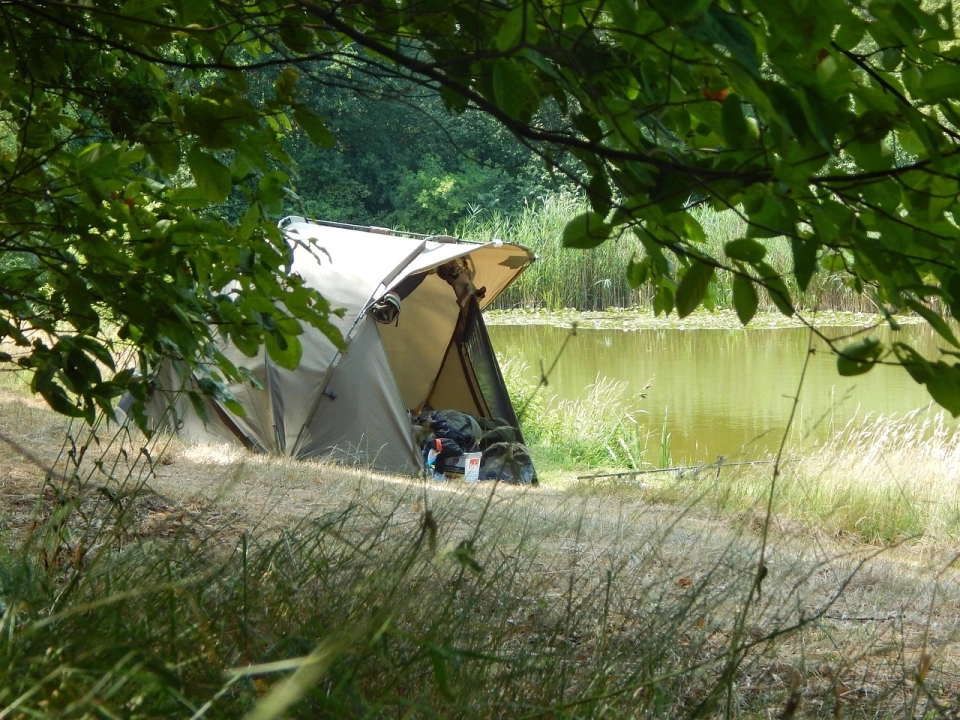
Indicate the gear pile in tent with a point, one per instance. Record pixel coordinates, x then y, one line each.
418 386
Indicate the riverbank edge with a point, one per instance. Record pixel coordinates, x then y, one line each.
644 319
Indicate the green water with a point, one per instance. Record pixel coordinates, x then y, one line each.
721 392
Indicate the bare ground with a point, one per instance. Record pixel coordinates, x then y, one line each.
879 621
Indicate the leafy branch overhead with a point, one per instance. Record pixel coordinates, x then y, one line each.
145 165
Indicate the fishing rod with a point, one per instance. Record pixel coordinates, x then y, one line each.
682 469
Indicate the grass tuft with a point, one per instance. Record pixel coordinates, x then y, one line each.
882 480
602 428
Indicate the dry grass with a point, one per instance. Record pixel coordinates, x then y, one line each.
878 470
592 601
879 480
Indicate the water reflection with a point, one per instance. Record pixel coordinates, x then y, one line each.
722 392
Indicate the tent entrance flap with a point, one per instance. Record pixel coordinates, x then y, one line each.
470 379
486 370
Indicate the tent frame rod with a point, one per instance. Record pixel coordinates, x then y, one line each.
378 230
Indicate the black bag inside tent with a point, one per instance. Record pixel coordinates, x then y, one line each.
458 426
508 462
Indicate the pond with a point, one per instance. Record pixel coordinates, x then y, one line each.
720 392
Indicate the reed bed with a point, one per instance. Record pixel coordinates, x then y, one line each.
596 279
561 278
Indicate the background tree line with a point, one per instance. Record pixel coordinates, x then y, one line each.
399 160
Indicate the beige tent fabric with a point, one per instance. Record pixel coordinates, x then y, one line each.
354 406
497 264
360 418
417 343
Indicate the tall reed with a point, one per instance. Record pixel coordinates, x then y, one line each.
596 279
602 428
561 278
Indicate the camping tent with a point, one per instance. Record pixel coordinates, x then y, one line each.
356 406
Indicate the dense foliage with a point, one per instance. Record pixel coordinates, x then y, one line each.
445 168
127 124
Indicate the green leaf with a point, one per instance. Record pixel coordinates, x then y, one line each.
804 259
98 160
951 287
199 406
680 10
935 320
235 407
624 14
511 30
59 401
511 92
81 371
453 101
733 123
944 386
95 348
772 216
871 155
245 341
598 193
745 299
833 262
214 388
286 350
692 230
693 285
587 230
250 222
213 177
860 357
891 58
780 295
941 82
663 300
271 191
190 197
746 250
820 116
313 125
719 27
162 146
588 125
296 35
285 86
776 288
942 380
637 272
